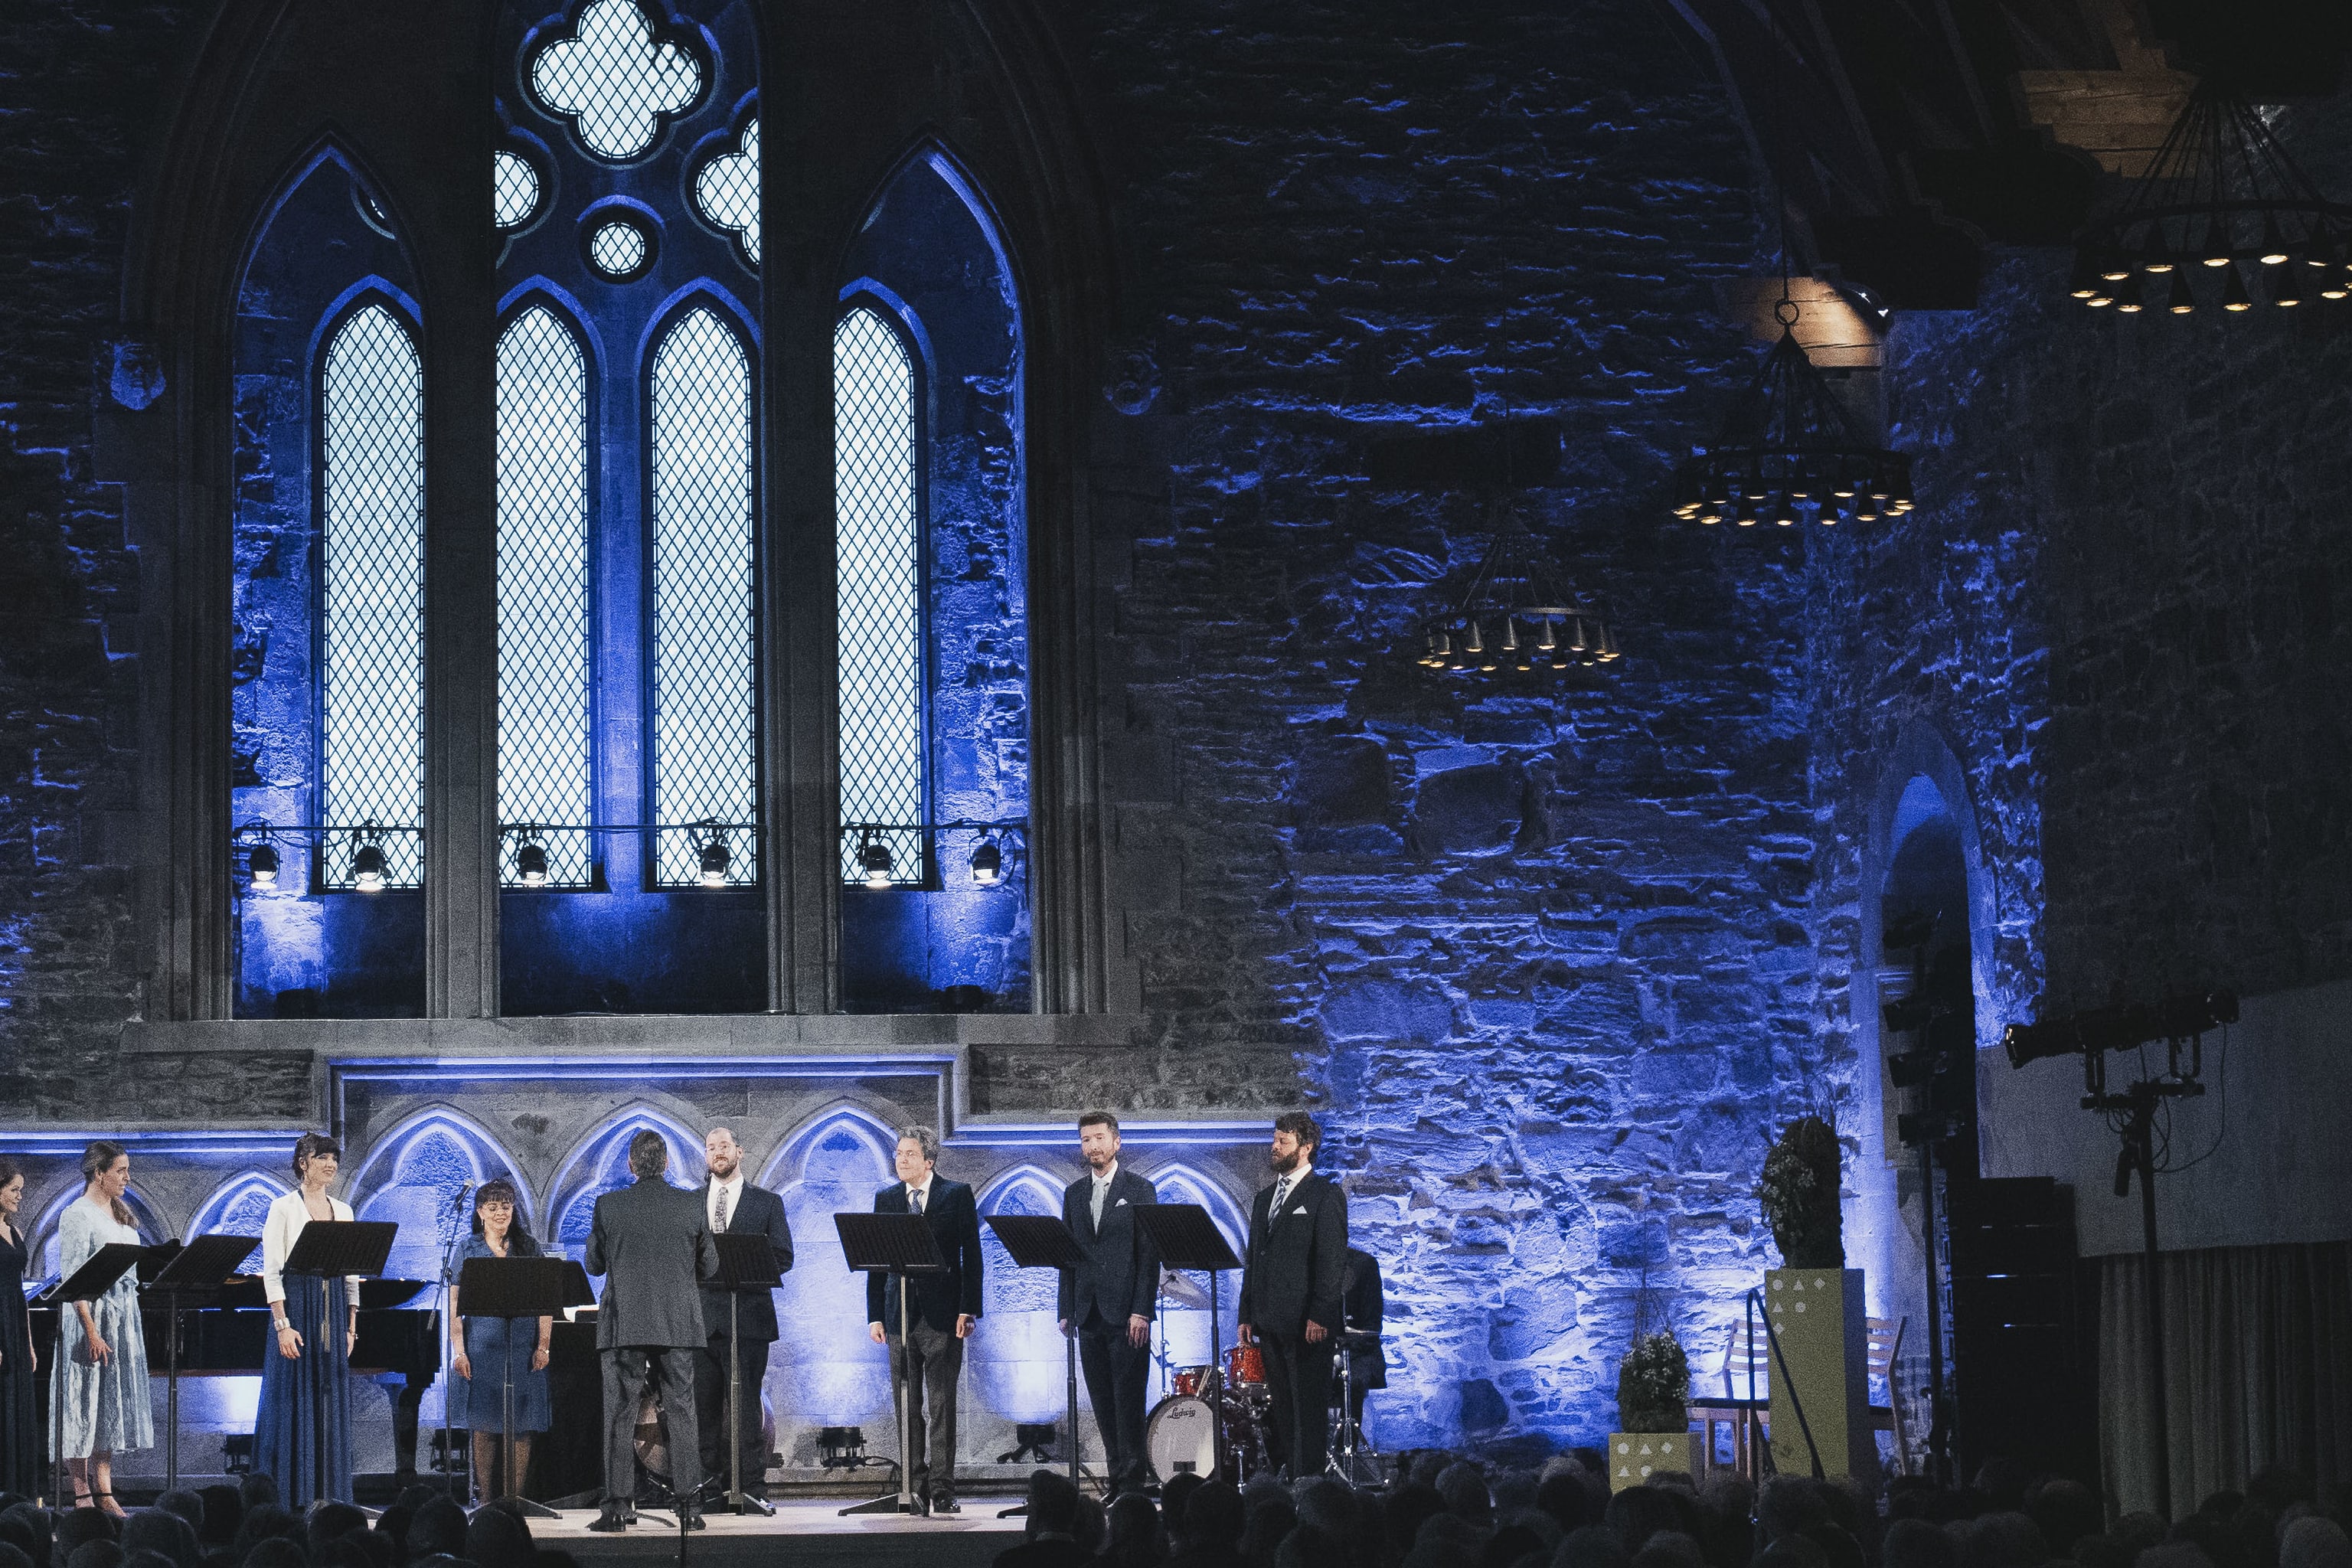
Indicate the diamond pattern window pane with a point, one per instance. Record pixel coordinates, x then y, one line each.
879 615
615 79
542 499
727 192
514 189
372 762
705 724
617 248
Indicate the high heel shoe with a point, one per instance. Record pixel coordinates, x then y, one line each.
110 1506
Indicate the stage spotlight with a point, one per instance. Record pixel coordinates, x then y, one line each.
987 864
1914 1127
531 864
2120 1027
715 860
874 858
367 867
263 864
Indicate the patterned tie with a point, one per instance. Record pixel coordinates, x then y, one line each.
1281 1192
914 1200
722 1208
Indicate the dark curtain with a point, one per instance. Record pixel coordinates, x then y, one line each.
2257 1368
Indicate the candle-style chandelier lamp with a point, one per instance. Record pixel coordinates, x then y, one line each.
1790 452
2219 194
1512 620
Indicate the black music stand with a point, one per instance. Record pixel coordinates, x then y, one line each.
1044 1241
1188 1239
331 1249
197 1269
91 1280
897 1244
531 1287
747 1261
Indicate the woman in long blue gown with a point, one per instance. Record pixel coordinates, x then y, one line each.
501 1354
303 1434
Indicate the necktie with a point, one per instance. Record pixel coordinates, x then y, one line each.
1281 1192
914 1200
1101 1190
722 1209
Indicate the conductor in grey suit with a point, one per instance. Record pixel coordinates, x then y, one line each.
652 1243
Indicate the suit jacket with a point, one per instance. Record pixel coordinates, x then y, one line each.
758 1212
1368 1362
1292 1270
955 1219
652 1243
1121 1276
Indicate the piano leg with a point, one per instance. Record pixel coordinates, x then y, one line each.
405 1404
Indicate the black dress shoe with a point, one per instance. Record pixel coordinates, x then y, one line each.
608 1524
946 1505
691 1519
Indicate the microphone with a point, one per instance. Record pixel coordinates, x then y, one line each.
457 1204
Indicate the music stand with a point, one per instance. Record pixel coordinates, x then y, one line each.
198 1268
528 1287
897 1244
331 1249
1188 1239
88 1283
747 1261
1044 1241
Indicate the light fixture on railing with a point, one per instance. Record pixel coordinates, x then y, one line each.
2221 191
261 858
987 863
530 858
715 857
1790 450
367 860
1512 617
875 860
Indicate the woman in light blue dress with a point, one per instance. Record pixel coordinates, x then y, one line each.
499 1357
100 1382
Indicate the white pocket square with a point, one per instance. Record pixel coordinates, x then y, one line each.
1300 1209
1120 1205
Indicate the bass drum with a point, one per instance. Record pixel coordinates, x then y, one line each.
652 1438
1180 1438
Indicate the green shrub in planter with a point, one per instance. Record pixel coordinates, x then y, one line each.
1653 1386
1799 1194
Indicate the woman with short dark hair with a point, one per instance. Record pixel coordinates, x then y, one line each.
302 1432
100 1382
494 1355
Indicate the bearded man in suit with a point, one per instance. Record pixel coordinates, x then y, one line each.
1107 1300
733 1206
651 1244
941 1311
1291 1281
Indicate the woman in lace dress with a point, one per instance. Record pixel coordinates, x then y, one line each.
100 1381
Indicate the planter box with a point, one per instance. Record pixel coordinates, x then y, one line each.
1824 1336
1634 1457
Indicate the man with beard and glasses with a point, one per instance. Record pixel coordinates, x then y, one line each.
1292 1276
733 1205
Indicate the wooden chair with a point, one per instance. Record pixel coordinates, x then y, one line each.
1745 1403
1885 1345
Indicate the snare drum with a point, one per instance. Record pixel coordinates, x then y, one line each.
1180 1438
1245 1365
1193 1380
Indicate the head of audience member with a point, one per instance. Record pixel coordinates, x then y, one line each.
328 1520
79 1527
14 1556
277 1552
1328 1505
224 1509
1793 1552
1137 1540
1915 1543
256 1488
1464 1488
153 1529
146 1558
1213 1518
1592 1546
1508 1544
1406 1510
1639 1513
343 1551
18 1531
439 1528
188 1505
1174 1493
1564 1495
2064 1511
1446 1540
1669 1548
1052 1504
497 1537
1425 1466
2175 1554
1270 1516
40 1524
1091 1528
393 1525
2315 1542
98 1553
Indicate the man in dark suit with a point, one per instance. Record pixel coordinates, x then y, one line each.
651 1245
1106 1301
1291 1279
732 1204
941 1314
1368 1364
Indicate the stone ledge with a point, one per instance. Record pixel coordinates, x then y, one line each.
686 1036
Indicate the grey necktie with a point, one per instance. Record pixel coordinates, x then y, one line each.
1281 1193
1102 1191
723 1208
914 1200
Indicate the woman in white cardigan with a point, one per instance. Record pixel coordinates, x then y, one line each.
303 1434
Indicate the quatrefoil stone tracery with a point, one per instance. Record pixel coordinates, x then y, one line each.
615 79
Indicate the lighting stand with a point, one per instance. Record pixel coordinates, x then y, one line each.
2138 1106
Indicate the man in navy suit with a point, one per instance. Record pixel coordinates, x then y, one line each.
733 1205
941 1313
1106 1301
1291 1281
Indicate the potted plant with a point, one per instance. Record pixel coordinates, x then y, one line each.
1654 1413
1821 1332
1799 1194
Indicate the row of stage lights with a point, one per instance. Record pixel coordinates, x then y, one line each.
2288 279
1784 488
1464 645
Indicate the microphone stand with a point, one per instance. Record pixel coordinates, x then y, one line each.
449 1325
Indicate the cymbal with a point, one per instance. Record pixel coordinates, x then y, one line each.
1181 1290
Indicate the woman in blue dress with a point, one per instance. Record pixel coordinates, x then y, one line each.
500 1354
100 1381
20 1362
303 1433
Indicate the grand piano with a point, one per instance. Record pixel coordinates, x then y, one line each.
228 1333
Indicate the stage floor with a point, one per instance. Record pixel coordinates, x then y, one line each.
967 1539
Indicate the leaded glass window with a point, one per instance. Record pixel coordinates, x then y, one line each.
705 751
727 192
372 767
878 545
515 189
615 79
543 681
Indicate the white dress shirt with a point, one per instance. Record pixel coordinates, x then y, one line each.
733 1188
1282 1188
287 1215
924 1188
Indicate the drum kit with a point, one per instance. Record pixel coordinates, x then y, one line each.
1179 1435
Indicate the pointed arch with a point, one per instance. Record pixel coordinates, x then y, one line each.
599 1163
44 1235
833 1374
1184 1332
240 1207
414 1175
